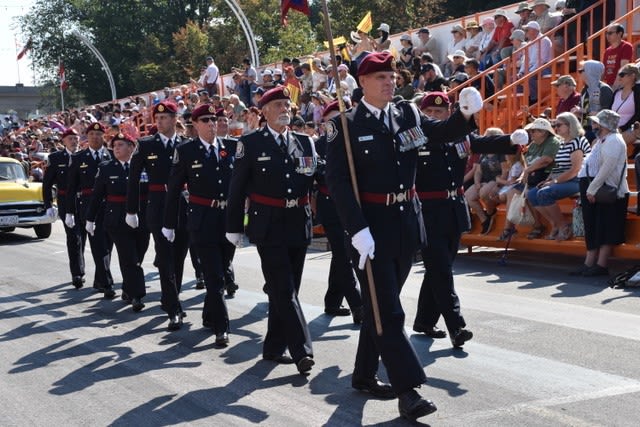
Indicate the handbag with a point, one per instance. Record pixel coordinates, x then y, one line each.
608 194
577 220
519 213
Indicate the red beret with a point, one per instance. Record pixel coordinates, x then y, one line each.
123 137
279 92
332 106
375 62
165 107
435 99
96 126
68 132
203 110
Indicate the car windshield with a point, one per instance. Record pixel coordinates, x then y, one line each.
11 172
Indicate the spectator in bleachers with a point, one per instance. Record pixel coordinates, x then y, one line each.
347 78
618 54
488 28
568 97
457 43
427 44
543 16
306 80
383 42
604 223
406 53
474 38
426 58
404 84
626 102
485 187
563 180
318 75
538 52
277 77
457 60
472 68
429 81
596 95
515 163
267 80
500 44
540 154
249 78
526 15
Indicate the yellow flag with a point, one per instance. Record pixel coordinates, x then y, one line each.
336 42
366 24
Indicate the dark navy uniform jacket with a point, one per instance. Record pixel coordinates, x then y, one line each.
381 168
441 168
152 156
110 185
262 168
56 174
206 178
82 176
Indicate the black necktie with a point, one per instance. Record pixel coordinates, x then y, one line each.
382 119
96 155
283 144
209 152
126 168
169 145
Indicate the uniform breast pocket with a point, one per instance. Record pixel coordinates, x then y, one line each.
367 152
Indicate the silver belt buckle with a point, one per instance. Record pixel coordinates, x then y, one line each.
291 203
393 198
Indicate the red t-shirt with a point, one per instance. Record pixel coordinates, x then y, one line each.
503 32
565 105
611 60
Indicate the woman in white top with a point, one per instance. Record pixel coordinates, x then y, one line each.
626 100
604 223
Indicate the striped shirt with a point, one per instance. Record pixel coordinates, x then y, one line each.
563 156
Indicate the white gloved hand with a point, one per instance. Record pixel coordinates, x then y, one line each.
470 101
234 238
51 212
69 220
132 220
520 137
364 244
169 234
90 226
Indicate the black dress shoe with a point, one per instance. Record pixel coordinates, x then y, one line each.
460 337
412 406
337 311
579 271
175 322
304 365
265 289
136 304
222 339
282 359
77 282
432 332
109 293
595 270
358 315
98 287
125 297
374 386
199 283
231 289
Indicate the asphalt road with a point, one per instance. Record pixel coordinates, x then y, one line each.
547 350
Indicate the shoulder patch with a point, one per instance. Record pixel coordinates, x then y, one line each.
239 150
331 130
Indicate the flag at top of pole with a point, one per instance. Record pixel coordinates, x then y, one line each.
62 77
299 5
27 47
366 24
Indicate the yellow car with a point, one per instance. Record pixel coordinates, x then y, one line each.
21 203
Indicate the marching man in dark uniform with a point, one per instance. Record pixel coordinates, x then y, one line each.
111 186
56 174
82 176
204 164
387 227
439 183
342 282
154 154
274 167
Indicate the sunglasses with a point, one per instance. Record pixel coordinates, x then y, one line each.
622 74
581 70
207 119
557 125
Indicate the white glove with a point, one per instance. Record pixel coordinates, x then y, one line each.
470 101
90 226
169 234
132 220
69 220
520 137
364 244
234 238
51 212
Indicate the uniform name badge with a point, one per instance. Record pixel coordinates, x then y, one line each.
463 149
411 139
306 165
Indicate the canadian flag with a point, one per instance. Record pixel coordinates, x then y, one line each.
27 47
61 76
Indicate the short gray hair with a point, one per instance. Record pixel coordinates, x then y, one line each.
575 128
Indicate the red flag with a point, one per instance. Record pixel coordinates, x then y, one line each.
62 77
27 47
299 5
